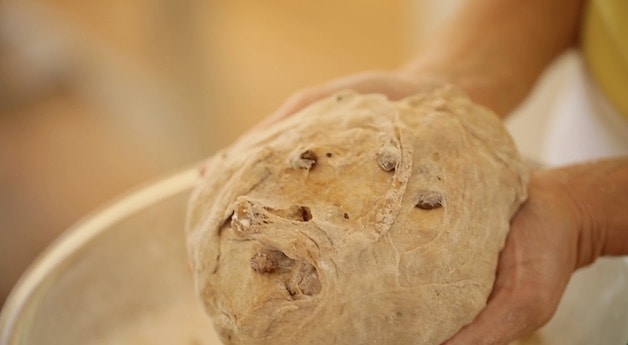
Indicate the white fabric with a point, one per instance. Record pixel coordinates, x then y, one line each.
583 125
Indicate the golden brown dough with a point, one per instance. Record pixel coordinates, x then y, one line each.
356 221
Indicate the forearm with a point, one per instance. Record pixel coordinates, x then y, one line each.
599 191
496 49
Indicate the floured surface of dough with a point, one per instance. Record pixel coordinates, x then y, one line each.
356 221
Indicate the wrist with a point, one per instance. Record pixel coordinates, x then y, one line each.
550 190
487 86
597 193
588 237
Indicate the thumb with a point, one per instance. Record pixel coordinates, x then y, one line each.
498 324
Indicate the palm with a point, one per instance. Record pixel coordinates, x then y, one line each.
538 259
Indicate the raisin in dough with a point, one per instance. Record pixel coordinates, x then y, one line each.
356 221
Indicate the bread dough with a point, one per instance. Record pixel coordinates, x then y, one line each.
356 221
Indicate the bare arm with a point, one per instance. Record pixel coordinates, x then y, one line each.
600 191
493 49
496 49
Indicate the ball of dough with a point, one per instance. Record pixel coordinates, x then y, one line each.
356 221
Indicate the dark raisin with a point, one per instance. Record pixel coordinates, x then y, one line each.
307 160
306 213
429 200
308 154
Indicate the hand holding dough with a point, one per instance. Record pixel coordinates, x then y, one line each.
356 221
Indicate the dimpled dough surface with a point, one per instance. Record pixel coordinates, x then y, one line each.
356 221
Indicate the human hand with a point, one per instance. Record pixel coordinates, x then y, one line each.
541 252
418 77
393 84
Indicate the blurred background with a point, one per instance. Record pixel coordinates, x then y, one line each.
100 97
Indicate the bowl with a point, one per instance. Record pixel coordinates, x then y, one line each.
120 277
